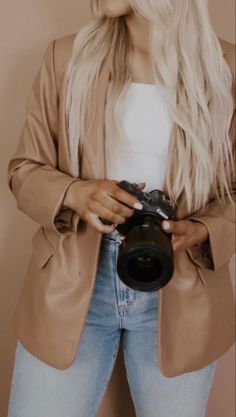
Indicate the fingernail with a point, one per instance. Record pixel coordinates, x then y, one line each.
165 225
138 206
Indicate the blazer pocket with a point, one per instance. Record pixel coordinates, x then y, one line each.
42 248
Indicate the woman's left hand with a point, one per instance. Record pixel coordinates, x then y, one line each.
185 233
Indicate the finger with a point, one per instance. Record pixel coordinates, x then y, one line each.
93 220
178 227
125 197
113 205
101 211
141 185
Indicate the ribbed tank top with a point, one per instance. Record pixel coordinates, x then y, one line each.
147 127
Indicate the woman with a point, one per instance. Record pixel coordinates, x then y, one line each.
175 78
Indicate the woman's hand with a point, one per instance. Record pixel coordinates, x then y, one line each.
92 199
185 233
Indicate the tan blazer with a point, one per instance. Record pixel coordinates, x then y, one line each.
196 308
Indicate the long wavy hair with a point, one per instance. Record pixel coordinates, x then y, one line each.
188 62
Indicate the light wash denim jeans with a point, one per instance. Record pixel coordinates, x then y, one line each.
116 313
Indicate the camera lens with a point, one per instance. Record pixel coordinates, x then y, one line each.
145 258
144 267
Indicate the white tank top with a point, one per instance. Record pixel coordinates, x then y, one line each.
147 128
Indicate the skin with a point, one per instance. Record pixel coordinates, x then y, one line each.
92 199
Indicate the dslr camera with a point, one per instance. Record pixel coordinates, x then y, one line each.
145 256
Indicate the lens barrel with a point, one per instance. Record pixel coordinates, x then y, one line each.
145 257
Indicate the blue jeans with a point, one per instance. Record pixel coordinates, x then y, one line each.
115 312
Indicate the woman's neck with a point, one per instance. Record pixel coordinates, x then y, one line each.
141 66
139 33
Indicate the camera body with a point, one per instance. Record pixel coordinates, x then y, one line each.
145 257
155 203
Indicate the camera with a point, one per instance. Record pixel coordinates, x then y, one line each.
145 256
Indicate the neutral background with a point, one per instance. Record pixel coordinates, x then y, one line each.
25 30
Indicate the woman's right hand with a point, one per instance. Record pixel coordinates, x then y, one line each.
92 199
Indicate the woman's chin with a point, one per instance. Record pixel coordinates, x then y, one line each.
113 13
115 8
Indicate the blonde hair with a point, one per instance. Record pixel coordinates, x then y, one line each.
188 62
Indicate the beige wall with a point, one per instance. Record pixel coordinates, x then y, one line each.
25 29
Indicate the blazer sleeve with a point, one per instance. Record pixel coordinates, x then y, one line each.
218 249
33 177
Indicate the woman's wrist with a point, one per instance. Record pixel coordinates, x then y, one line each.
203 233
70 193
